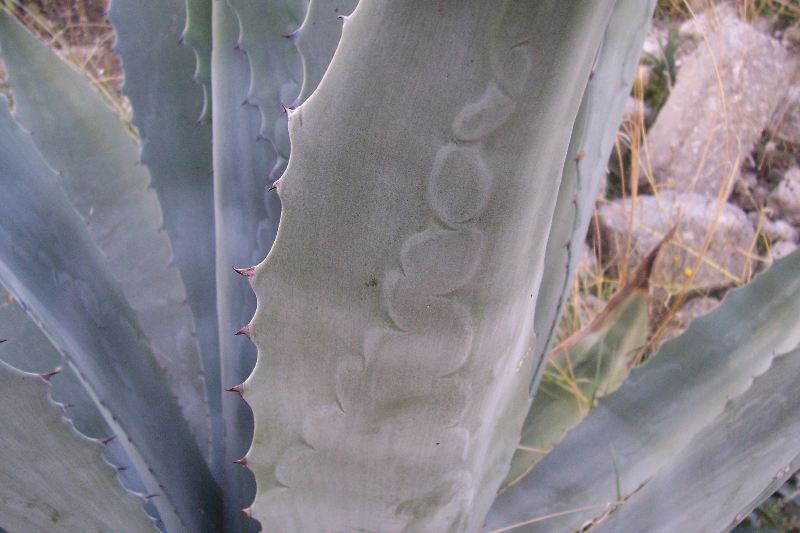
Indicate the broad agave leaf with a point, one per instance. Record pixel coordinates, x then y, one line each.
387 340
720 477
49 261
54 478
592 140
176 149
653 417
589 364
317 38
88 145
246 216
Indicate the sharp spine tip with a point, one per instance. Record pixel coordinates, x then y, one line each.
244 331
241 462
248 512
151 496
275 185
237 388
247 272
48 375
106 441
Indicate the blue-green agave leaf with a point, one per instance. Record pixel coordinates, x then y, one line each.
640 429
177 152
49 261
54 478
95 156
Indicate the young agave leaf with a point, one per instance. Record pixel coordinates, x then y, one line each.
54 478
83 140
392 378
317 38
589 364
49 261
592 140
177 152
246 216
659 409
720 477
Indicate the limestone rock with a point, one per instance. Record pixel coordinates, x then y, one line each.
677 268
699 138
786 197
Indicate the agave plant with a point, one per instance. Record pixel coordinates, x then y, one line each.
444 156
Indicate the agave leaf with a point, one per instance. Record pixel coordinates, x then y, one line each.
246 216
197 34
317 38
28 349
54 478
720 477
275 66
585 164
49 261
177 152
392 378
88 145
589 364
664 403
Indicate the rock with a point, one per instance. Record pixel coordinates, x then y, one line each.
677 268
786 196
782 249
692 146
785 123
692 309
780 230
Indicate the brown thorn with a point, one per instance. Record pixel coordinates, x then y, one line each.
244 331
122 468
237 388
48 375
248 512
275 185
107 440
150 496
241 462
247 272
580 155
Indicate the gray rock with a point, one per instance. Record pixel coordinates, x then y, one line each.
699 138
692 309
779 230
782 249
785 124
677 268
786 196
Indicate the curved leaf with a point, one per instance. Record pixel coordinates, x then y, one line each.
588 365
48 260
585 164
83 140
246 216
317 38
177 152
660 407
720 477
54 478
